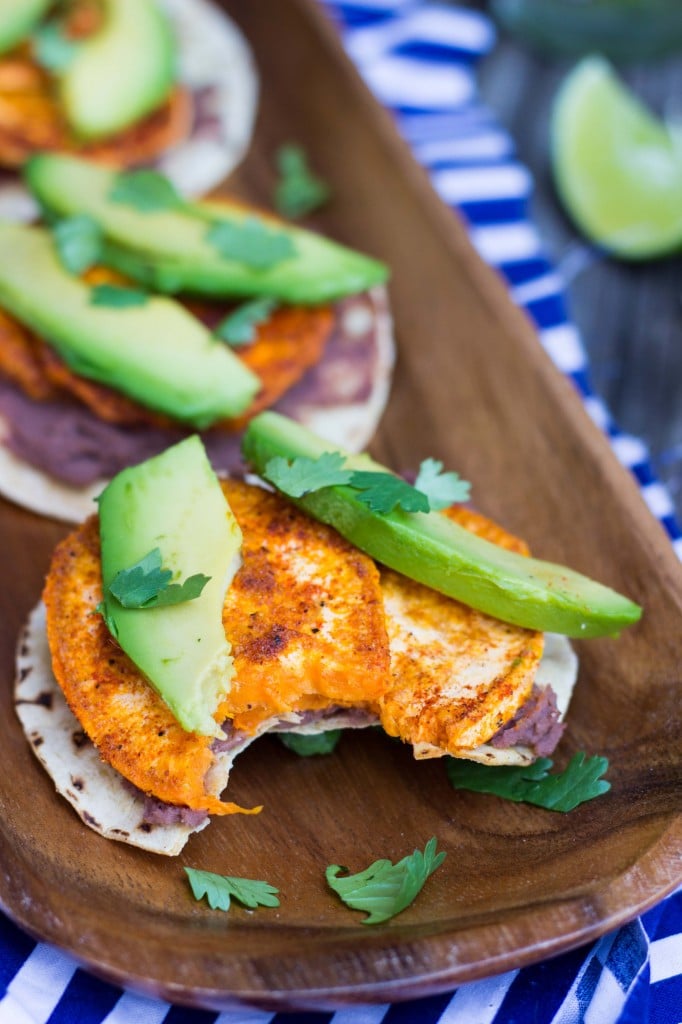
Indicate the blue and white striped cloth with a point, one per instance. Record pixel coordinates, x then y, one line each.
419 59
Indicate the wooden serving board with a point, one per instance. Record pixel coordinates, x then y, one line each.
473 388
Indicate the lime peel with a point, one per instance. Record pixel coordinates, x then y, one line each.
617 168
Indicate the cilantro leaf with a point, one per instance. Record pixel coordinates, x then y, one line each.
385 889
78 241
141 583
442 489
117 296
220 889
579 782
239 326
304 475
298 190
382 492
250 242
52 48
309 746
178 593
146 584
145 190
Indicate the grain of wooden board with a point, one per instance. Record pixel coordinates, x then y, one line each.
473 388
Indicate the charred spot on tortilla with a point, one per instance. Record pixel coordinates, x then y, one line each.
43 700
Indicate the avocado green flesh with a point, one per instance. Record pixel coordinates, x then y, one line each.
157 353
18 18
430 548
122 72
174 502
168 250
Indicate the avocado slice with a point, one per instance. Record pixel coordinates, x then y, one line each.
174 503
18 18
156 353
121 73
432 549
169 250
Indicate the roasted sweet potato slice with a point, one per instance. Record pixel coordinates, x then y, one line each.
21 360
304 615
31 121
457 674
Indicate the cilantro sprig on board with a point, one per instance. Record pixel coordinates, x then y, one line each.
298 190
385 889
382 492
220 890
146 584
580 781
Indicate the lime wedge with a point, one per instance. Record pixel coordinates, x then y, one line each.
618 170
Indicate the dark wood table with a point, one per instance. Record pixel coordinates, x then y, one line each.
630 315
